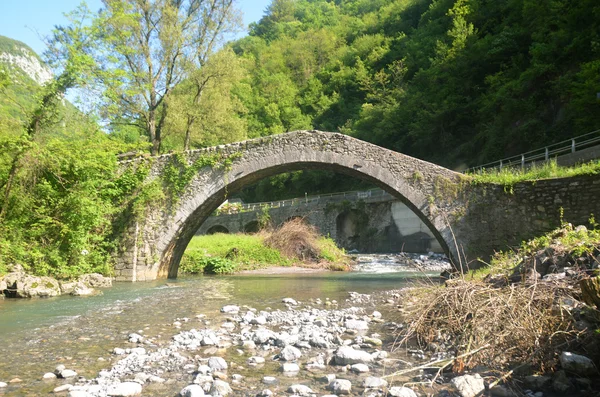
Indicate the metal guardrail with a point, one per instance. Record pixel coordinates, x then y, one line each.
366 195
544 154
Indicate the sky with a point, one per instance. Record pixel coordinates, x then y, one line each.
31 20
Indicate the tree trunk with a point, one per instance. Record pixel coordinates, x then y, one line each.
151 124
188 133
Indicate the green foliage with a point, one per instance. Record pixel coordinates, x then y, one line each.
178 173
508 177
263 217
246 251
195 262
480 79
575 241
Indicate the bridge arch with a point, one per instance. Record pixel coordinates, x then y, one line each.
413 181
217 229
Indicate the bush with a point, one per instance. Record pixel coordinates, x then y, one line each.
296 239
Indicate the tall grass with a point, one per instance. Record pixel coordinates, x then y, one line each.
293 243
550 169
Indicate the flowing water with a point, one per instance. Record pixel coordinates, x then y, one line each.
80 332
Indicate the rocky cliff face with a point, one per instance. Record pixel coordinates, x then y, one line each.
18 56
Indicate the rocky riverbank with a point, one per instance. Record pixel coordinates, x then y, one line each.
18 284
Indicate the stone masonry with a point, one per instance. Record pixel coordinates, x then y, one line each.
469 220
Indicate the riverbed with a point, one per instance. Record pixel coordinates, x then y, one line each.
82 332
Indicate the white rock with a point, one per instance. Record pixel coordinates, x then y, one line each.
79 393
118 351
301 390
290 301
237 377
192 391
204 369
217 363
260 320
357 325
126 389
376 314
347 355
62 388
290 353
263 335
220 388
269 380
576 363
373 382
3 384
468 385
341 386
67 373
290 367
49 375
360 368
230 309
397 391
256 360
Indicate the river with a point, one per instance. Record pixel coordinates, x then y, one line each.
81 332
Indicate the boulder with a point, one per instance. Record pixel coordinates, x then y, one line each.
21 285
469 385
96 280
577 364
81 289
347 355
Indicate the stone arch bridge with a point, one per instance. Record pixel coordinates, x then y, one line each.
469 220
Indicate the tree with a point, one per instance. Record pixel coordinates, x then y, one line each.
144 49
206 109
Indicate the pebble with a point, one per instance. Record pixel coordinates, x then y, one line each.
360 368
217 363
126 389
290 353
67 373
373 382
49 375
256 360
301 390
290 367
192 391
62 388
341 386
232 309
469 385
269 380
3 384
397 391
220 388
345 355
